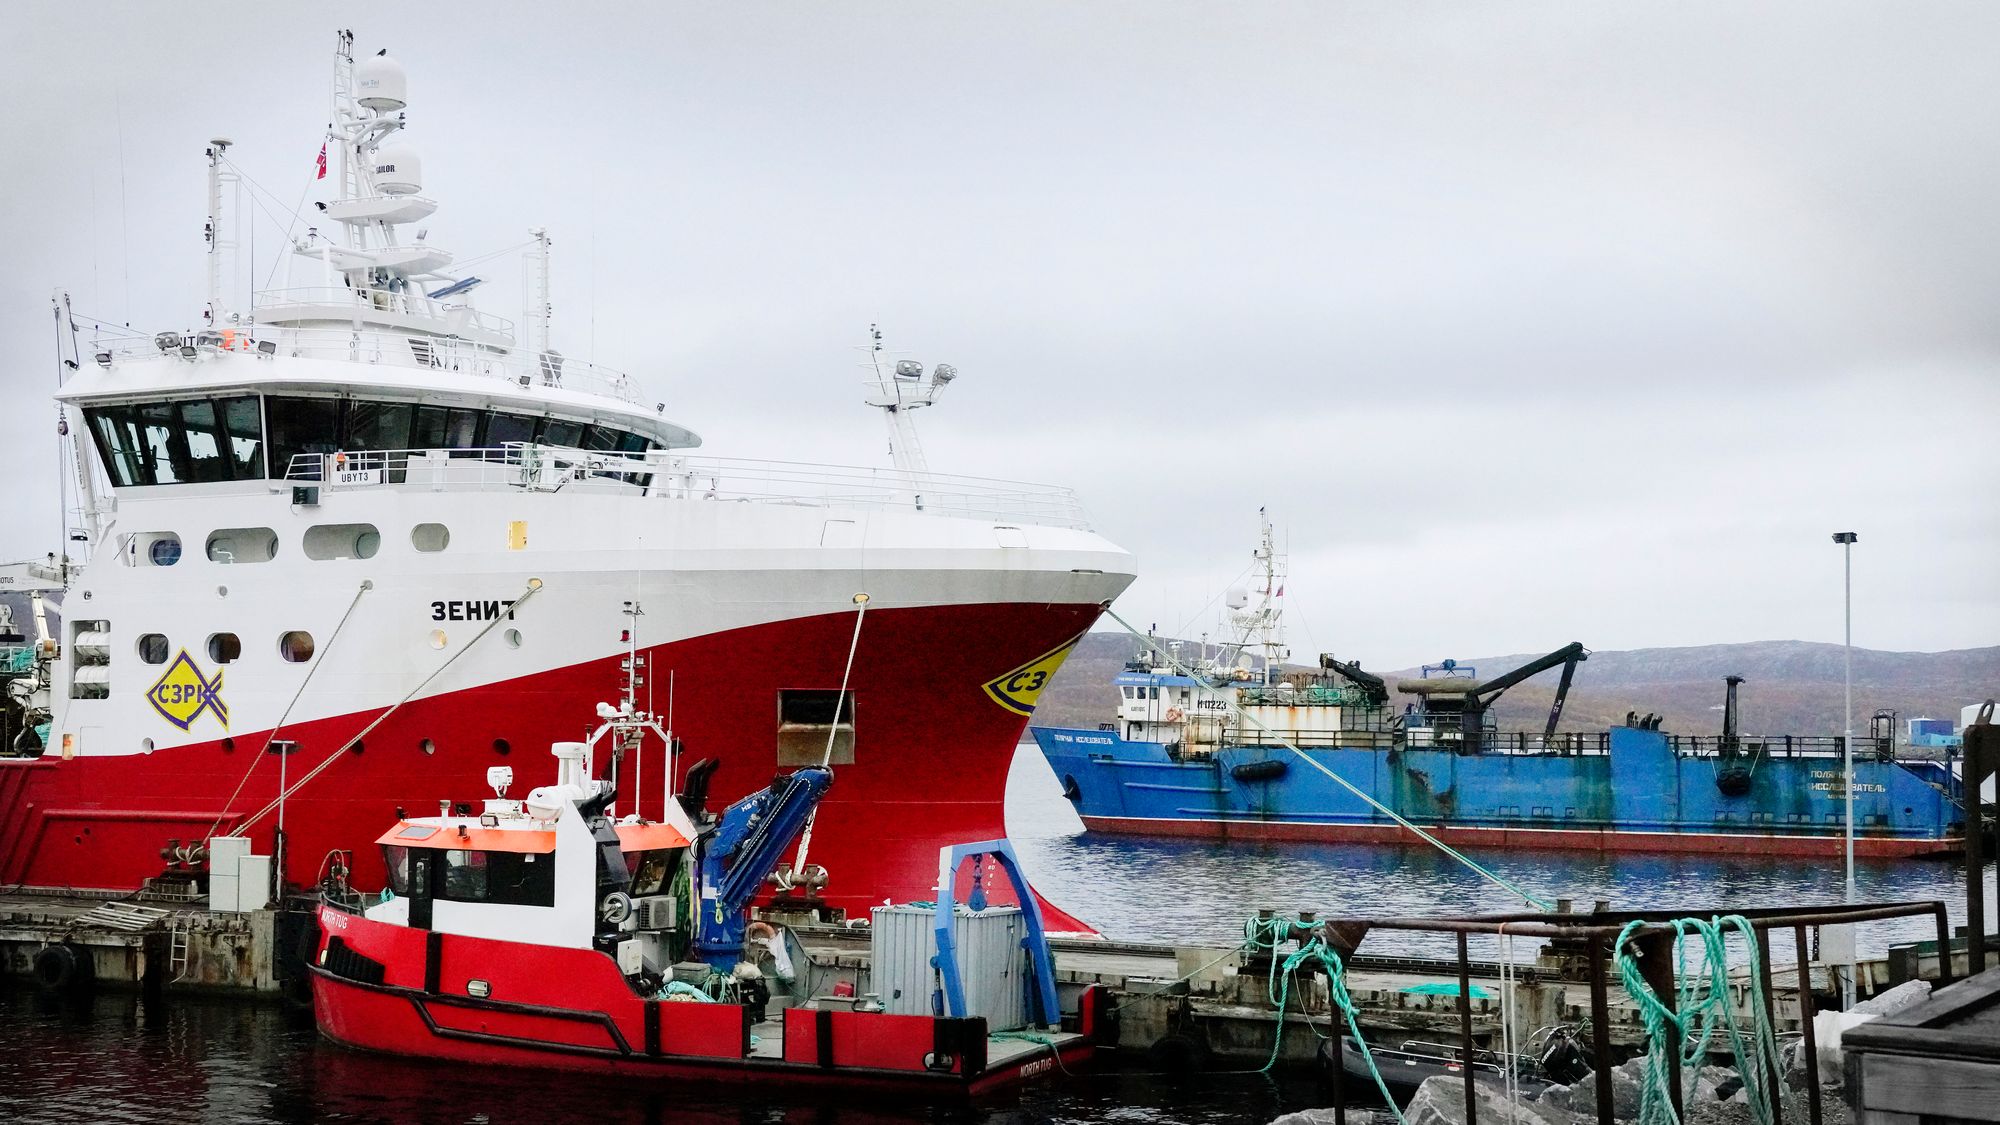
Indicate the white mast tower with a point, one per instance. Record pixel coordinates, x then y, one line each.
898 389
1260 624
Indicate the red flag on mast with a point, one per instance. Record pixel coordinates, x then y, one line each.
322 161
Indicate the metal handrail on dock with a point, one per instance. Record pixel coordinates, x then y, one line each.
1652 934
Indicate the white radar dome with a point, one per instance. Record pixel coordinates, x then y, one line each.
398 170
380 83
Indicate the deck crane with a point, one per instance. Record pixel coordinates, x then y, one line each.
1468 700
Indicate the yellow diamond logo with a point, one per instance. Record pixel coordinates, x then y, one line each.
1020 689
182 693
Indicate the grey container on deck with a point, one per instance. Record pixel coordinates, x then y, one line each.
992 965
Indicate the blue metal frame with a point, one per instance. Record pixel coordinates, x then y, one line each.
1040 961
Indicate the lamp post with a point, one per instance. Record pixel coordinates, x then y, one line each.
1847 539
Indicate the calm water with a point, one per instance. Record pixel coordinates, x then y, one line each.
116 1058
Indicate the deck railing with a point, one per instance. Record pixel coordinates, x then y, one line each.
718 479
391 348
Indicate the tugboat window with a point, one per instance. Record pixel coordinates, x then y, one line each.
397 859
224 648
296 647
153 648
464 876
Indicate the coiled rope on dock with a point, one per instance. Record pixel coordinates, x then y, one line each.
1522 893
1700 1001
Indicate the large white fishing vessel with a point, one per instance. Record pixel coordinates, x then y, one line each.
346 545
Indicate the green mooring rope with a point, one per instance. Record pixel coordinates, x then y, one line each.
1264 935
1701 1004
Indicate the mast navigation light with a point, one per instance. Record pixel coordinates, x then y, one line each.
943 373
909 369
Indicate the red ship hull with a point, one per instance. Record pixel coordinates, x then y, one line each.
407 992
931 754
1677 843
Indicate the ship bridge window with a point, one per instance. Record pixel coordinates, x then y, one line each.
301 426
342 541
507 429
194 441
806 719
242 545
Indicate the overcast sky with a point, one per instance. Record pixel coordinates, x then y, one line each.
1529 323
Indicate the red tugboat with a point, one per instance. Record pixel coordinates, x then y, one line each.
546 932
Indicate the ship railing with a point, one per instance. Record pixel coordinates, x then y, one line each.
670 475
398 348
1803 746
1562 744
374 302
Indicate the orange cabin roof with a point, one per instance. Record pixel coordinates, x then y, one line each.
631 838
471 838
647 837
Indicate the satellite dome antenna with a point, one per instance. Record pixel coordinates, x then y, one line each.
898 387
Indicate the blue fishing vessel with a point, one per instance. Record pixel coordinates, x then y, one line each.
1232 744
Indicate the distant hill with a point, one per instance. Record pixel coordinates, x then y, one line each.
1791 687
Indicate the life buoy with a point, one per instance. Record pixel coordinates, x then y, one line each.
1175 715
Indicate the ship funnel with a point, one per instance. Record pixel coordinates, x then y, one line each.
381 83
1729 711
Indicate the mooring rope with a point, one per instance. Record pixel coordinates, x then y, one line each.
1700 1000
534 586
1529 897
833 728
312 670
1264 935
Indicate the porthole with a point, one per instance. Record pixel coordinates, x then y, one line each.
145 746
437 638
430 537
427 746
229 746
358 747
502 747
342 541
152 648
224 648
513 638
296 646
231 545
163 549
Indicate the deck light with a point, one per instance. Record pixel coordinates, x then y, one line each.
103 359
267 348
187 352
166 341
